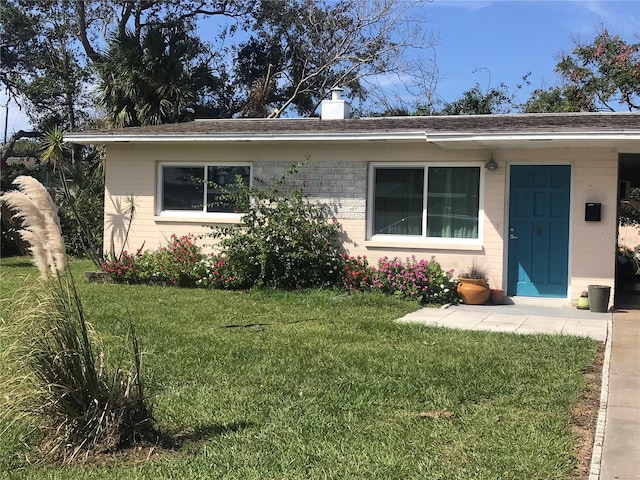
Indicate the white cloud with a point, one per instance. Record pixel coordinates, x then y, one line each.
621 18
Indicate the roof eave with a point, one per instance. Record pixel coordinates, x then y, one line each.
449 140
446 140
89 138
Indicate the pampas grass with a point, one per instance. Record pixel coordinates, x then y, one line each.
40 224
53 372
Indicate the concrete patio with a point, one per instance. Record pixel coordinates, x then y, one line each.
551 317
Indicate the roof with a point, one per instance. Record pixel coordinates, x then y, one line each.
442 130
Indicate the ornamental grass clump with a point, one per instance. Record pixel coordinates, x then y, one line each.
54 375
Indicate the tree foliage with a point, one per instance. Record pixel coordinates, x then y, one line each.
262 59
556 100
630 209
476 101
154 79
40 64
601 75
301 49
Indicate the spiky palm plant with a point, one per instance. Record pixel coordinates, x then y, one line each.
53 369
53 151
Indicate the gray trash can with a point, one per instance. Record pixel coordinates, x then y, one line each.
599 298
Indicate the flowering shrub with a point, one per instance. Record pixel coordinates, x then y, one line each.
125 269
173 264
356 272
424 280
182 263
214 272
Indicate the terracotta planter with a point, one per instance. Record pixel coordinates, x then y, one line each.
473 291
497 296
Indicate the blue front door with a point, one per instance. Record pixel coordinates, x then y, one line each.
539 230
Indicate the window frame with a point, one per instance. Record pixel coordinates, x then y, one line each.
422 239
226 216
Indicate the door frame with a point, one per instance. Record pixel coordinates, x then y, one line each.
507 212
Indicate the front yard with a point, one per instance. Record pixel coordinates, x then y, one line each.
320 384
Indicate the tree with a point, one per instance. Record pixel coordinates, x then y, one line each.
301 49
475 101
79 202
557 100
40 66
155 79
597 76
48 48
296 51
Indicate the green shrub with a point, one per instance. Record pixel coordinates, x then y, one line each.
284 241
214 272
179 263
420 279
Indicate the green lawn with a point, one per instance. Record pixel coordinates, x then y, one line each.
306 385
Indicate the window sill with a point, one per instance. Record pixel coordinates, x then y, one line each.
425 245
199 219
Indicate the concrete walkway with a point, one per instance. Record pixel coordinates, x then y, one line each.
621 446
516 318
616 450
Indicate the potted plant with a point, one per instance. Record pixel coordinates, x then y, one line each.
473 286
583 301
497 296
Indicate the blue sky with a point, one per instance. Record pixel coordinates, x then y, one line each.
490 42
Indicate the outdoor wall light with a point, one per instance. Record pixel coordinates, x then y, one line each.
491 165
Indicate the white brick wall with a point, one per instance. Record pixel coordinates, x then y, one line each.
342 185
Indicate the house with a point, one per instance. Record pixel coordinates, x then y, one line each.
532 198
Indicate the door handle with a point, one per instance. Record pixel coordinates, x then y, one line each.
512 237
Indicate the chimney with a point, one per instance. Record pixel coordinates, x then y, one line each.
336 108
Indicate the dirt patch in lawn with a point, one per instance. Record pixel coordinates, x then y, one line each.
160 443
584 417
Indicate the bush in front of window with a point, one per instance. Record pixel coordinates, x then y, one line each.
284 241
424 280
357 274
214 272
176 264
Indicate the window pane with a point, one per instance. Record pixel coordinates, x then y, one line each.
398 201
225 177
453 202
182 188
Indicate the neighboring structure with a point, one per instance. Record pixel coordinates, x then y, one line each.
533 198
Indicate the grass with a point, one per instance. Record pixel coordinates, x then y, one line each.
305 385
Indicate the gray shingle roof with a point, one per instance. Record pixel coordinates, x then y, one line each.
522 123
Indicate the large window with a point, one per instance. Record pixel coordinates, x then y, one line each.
426 201
199 188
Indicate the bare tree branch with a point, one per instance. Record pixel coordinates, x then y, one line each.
82 32
7 148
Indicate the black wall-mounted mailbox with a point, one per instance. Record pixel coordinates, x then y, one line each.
592 212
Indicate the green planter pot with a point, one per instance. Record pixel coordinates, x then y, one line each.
583 303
